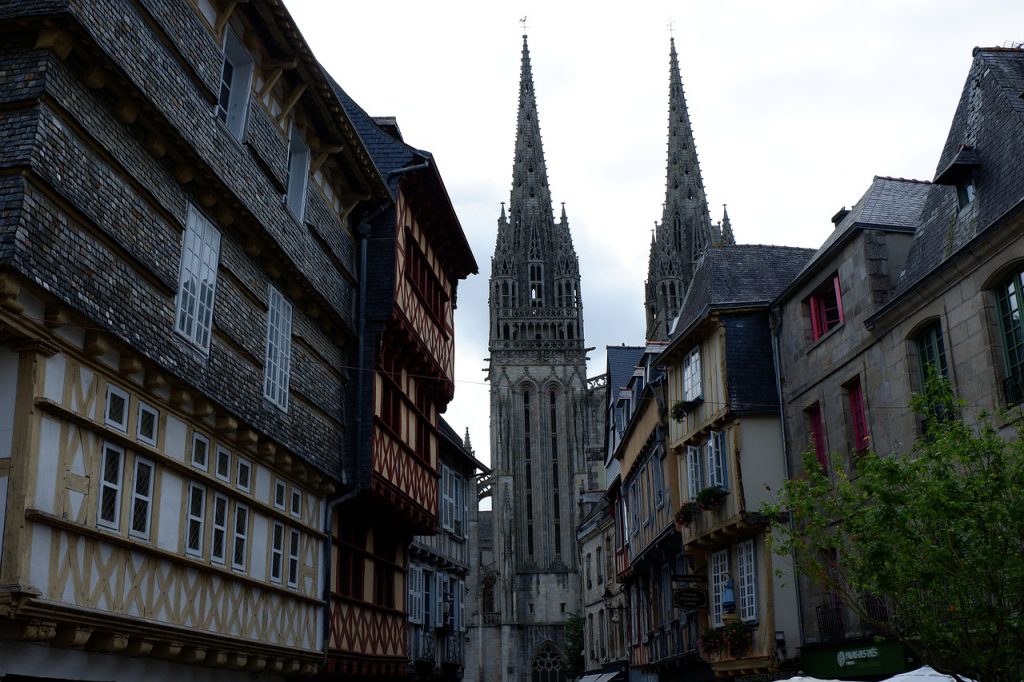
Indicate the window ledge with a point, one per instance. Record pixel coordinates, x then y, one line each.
826 335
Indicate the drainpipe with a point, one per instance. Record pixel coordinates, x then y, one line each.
775 320
362 233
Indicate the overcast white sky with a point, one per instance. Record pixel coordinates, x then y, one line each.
795 107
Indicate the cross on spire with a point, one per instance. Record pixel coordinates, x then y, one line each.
523 22
671 31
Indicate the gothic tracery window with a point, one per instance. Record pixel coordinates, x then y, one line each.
546 665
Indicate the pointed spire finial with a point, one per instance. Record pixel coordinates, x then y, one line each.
564 217
502 212
467 444
727 235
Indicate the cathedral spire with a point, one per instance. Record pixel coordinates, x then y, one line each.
685 231
530 193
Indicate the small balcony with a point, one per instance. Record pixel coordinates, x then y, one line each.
453 653
1013 388
422 646
830 617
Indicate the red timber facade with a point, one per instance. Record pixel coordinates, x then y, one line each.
413 253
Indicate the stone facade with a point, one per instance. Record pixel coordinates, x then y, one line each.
929 276
541 429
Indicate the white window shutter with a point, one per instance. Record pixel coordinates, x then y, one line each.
415 594
439 600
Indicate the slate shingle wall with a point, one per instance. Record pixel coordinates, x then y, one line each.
749 371
115 256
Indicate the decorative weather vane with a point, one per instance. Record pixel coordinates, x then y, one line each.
523 22
671 32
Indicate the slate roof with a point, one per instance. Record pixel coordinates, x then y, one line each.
388 153
989 118
622 360
738 274
889 204
456 442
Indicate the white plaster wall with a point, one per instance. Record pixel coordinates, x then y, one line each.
49 457
261 488
21 658
53 382
8 388
169 511
39 558
260 549
761 459
174 438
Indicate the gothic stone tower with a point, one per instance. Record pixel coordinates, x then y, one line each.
539 421
685 230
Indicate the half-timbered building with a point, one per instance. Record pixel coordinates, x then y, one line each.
725 442
440 567
179 186
414 246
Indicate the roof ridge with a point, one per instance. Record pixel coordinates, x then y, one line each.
902 179
997 49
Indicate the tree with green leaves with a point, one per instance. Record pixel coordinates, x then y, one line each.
936 535
573 663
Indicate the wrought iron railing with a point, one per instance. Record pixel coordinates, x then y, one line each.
421 644
1013 388
453 653
830 622
877 611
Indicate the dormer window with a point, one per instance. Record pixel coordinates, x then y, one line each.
965 193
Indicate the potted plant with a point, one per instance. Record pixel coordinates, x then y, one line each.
678 410
711 643
687 513
711 497
738 637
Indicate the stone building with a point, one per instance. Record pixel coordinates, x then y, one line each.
917 275
541 429
186 455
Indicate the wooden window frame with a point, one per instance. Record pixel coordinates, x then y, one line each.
278 349
197 518
219 529
825 305
142 437
200 258
113 484
125 398
143 497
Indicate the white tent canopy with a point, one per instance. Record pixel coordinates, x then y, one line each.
925 673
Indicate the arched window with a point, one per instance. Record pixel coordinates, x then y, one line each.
1010 298
546 664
